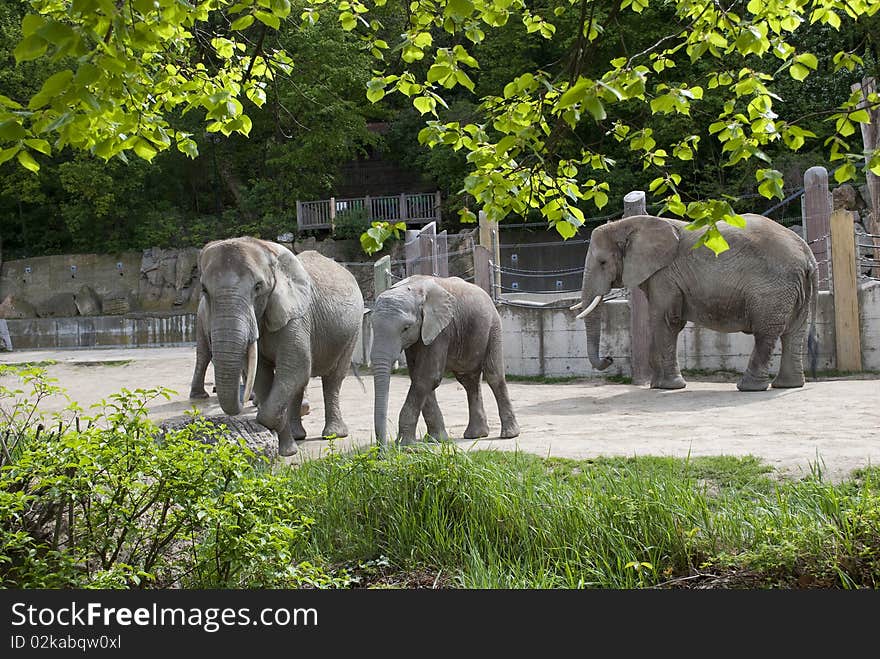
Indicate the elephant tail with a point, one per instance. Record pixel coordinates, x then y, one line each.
812 334
354 370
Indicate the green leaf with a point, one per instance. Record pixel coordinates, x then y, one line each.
242 23
459 8
574 95
10 130
566 229
268 19
27 161
799 71
6 154
145 150
30 48
424 104
39 145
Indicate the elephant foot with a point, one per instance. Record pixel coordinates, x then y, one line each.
674 382
509 430
196 394
790 382
476 430
437 435
750 383
286 443
335 429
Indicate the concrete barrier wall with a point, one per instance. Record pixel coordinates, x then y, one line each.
551 343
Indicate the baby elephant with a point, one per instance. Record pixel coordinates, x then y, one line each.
443 324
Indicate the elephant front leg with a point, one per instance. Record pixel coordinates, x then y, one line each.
418 393
477 426
203 358
273 412
434 418
663 352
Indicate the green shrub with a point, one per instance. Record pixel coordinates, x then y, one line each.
98 501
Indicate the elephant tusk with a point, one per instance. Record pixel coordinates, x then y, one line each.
589 309
251 372
575 307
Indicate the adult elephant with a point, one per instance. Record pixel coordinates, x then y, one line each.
280 319
765 285
443 324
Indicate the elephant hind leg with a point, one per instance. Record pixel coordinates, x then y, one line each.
477 425
757 375
331 384
493 369
791 363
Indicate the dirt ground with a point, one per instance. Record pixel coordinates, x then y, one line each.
832 423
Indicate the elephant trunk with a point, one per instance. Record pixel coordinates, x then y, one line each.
381 384
591 302
593 325
233 344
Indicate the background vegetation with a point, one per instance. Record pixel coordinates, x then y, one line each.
316 118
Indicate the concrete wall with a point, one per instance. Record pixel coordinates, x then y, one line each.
132 330
550 342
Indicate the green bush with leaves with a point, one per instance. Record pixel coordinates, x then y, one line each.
108 501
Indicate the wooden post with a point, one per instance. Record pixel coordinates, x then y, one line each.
403 213
816 212
846 297
871 140
368 206
640 333
411 252
482 271
442 254
437 207
428 250
381 275
332 212
491 240
299 214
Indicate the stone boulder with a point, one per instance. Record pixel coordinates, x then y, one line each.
13 308
258 438
845 197
87 301
60 305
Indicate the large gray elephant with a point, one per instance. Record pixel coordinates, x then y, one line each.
765 285
282 319
443 324
203 358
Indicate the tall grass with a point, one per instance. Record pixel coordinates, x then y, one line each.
511 520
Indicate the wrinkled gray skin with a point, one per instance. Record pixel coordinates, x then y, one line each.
303 314
203 358
765 285
443 324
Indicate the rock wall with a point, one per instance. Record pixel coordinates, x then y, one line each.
158 280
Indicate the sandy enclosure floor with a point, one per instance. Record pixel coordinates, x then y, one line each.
834 423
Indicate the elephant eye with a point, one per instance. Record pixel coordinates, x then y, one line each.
258 287
204 290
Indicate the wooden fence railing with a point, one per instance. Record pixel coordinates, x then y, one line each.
419 208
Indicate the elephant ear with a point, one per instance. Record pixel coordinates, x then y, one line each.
651 243
292 293
436 312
